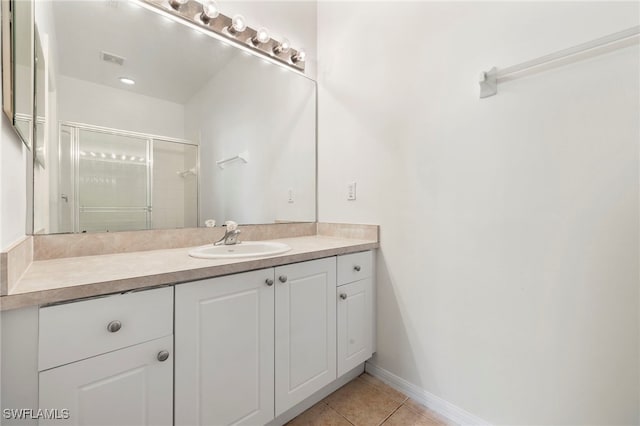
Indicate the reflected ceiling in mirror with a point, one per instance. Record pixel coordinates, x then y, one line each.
152 124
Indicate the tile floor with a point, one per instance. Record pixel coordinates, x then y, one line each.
367 401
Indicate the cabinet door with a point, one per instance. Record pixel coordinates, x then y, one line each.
355 312
305 330
224 365
129 386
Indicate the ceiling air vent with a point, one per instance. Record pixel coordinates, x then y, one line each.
111 58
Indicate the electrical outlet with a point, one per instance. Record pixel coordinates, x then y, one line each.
351 191
290 194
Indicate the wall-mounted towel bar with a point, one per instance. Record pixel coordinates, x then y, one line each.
188 172
244 156
489 80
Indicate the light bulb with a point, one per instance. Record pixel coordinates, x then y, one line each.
103 155
299 57
209 11
132 158
282 47
238 25
124 157
261 37
177 3
113 156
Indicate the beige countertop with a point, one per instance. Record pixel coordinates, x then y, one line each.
64 279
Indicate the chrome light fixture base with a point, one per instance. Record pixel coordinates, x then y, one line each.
192 11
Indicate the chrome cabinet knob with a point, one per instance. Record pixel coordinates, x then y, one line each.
269 282
357 268
163 356
343 296
114 326
283 278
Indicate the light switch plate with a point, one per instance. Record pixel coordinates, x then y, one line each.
351 191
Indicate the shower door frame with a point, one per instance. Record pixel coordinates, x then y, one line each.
76 127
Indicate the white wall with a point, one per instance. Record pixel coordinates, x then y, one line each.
13 185
508 271
89 103
252 106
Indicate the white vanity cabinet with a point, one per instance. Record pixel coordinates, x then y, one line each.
240 335
131 386
249 348
224 364
355 310
108 361
305 330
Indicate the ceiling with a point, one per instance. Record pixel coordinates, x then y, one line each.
167 60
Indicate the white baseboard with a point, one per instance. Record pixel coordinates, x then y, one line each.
450 411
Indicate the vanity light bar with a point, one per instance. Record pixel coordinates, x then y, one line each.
235 29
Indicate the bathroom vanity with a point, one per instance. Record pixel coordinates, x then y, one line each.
252 347
242 336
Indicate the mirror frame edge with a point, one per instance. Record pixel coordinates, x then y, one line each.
7 51
7 60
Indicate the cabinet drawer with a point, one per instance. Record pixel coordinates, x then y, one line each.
354 267
80 330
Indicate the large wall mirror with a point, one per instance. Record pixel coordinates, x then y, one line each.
148 123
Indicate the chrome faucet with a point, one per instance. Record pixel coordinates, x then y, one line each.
231 234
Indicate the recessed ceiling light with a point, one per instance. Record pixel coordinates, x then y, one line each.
125 80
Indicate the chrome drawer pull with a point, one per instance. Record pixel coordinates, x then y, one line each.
114 326
357 268
163 356
283 278
343 296
269 282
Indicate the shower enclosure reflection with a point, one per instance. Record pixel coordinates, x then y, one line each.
113 180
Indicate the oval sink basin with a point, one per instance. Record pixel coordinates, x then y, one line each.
244 249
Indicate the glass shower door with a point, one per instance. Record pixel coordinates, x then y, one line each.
113 182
